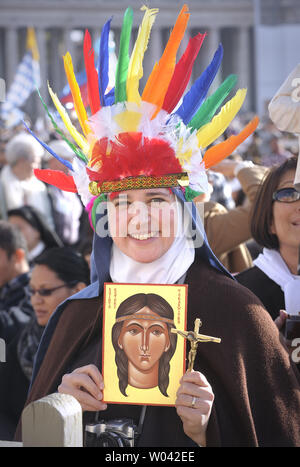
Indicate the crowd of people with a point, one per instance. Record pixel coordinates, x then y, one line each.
242 277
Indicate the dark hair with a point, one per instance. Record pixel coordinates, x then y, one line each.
67 264
128 307
37 221
262 209
11 239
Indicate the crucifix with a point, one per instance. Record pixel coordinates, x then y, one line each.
195 338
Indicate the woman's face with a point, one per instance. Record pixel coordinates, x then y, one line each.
286 217
144 340
44 278
143 223
32 236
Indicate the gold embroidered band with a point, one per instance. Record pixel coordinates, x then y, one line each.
141 182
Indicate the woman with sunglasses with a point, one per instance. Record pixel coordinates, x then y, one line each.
275 225
57 274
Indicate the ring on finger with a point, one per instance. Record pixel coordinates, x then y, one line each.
194 399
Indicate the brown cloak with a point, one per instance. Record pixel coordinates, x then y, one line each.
256 387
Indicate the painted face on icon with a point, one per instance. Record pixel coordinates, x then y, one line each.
144 338
143 223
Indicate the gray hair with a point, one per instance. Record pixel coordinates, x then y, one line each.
23 146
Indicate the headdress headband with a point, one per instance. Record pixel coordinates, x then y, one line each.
130 141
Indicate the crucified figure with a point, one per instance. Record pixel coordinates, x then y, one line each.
195 338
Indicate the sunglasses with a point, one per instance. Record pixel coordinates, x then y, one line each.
286 195
47 292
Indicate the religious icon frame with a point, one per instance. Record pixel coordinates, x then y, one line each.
115 335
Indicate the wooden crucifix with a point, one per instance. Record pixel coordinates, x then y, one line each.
195 338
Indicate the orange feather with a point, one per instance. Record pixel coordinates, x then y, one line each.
161 75
220 151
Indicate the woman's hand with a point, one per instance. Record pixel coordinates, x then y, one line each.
193 404
86 385
281 319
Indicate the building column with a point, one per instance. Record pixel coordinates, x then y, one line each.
42 46
68 44
242 65
11 54
211 43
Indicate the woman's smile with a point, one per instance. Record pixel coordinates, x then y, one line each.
143 223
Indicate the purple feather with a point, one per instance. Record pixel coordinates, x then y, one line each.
63 161
196 95
103 64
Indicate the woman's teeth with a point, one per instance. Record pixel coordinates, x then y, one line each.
144 236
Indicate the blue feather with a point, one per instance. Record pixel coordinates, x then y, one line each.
63 161
197 94
110 97
103 63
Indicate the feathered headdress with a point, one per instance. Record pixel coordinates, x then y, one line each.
131 141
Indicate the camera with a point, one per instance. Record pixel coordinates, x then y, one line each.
113 433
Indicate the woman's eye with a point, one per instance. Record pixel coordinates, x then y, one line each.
157 200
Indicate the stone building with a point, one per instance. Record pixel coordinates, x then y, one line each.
60 26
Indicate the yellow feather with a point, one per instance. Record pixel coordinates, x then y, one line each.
135 68
212 130
78 138
75 90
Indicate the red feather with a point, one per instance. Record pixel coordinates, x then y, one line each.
182 73
91 74
133 155
56 178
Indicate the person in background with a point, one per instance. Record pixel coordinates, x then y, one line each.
15 306
67 207
275 225
277 154
39 236
19 186
57 274
228 230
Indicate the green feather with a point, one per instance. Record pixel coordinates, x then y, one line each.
212 103
77 151
190 194
97 201
123 60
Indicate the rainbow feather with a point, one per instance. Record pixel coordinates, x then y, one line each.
103 64
211 131
161 75
212 103
91 73
45 146
196 95
56 178
72 146
182 73
75 90
220 151
78 137
135 68
123 59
